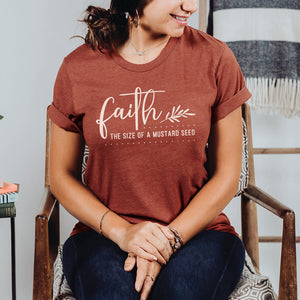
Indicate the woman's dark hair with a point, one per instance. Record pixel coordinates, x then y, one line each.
108 29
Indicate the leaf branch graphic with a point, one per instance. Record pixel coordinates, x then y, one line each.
176 114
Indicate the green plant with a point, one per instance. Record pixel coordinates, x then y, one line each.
1 117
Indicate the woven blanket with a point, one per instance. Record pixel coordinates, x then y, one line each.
264 35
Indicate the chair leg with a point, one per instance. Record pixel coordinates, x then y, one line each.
249 230
288 269
42 289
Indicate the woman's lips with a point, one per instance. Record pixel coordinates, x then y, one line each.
181 20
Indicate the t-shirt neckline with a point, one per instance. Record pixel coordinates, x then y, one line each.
147 66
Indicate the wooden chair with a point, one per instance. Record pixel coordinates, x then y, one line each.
47 236
253 195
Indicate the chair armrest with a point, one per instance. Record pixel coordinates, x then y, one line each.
263 199
47 205
46 243
288 270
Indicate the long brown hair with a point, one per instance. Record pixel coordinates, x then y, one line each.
108 29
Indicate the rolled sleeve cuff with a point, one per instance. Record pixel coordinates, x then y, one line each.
221 111
61 120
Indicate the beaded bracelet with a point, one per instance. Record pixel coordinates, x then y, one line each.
101 233
177 239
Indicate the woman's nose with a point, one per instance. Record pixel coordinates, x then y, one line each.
189 6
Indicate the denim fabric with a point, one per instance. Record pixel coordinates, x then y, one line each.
207 268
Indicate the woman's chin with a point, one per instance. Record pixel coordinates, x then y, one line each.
177 33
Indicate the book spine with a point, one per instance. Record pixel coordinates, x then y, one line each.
10 204
6 212
9 197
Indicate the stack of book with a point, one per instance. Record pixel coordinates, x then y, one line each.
8 196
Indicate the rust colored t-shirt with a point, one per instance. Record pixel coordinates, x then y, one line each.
147 125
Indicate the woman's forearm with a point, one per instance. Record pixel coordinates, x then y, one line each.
87 208
146 239
225 157
206 205
79 201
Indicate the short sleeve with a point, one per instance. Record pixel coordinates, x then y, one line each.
62 111
231 89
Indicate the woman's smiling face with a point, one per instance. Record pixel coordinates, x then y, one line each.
167 17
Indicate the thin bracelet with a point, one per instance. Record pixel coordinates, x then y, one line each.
177 239
176 233
101 233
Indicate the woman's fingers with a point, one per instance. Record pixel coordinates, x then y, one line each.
144 254
148 284
147 273
148 240
148 247
162 247
130 262
141 273
162 242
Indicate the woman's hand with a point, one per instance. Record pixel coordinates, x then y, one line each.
146 274
148 240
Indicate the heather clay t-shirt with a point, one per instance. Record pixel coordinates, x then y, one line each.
147 125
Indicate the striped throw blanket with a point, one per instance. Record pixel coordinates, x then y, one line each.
264 35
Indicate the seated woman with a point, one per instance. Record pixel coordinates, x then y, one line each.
146 93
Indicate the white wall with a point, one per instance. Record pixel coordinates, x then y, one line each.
35 36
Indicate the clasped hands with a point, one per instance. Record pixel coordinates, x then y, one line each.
149 247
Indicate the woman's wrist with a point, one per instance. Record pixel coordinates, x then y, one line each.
177 241
101 221
112 226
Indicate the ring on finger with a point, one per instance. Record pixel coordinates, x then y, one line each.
151 277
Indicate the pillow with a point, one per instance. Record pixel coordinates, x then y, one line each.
244 176
253 285
61 289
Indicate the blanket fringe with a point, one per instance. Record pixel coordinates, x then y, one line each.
275 95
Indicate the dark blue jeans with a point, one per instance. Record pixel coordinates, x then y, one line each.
207 267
